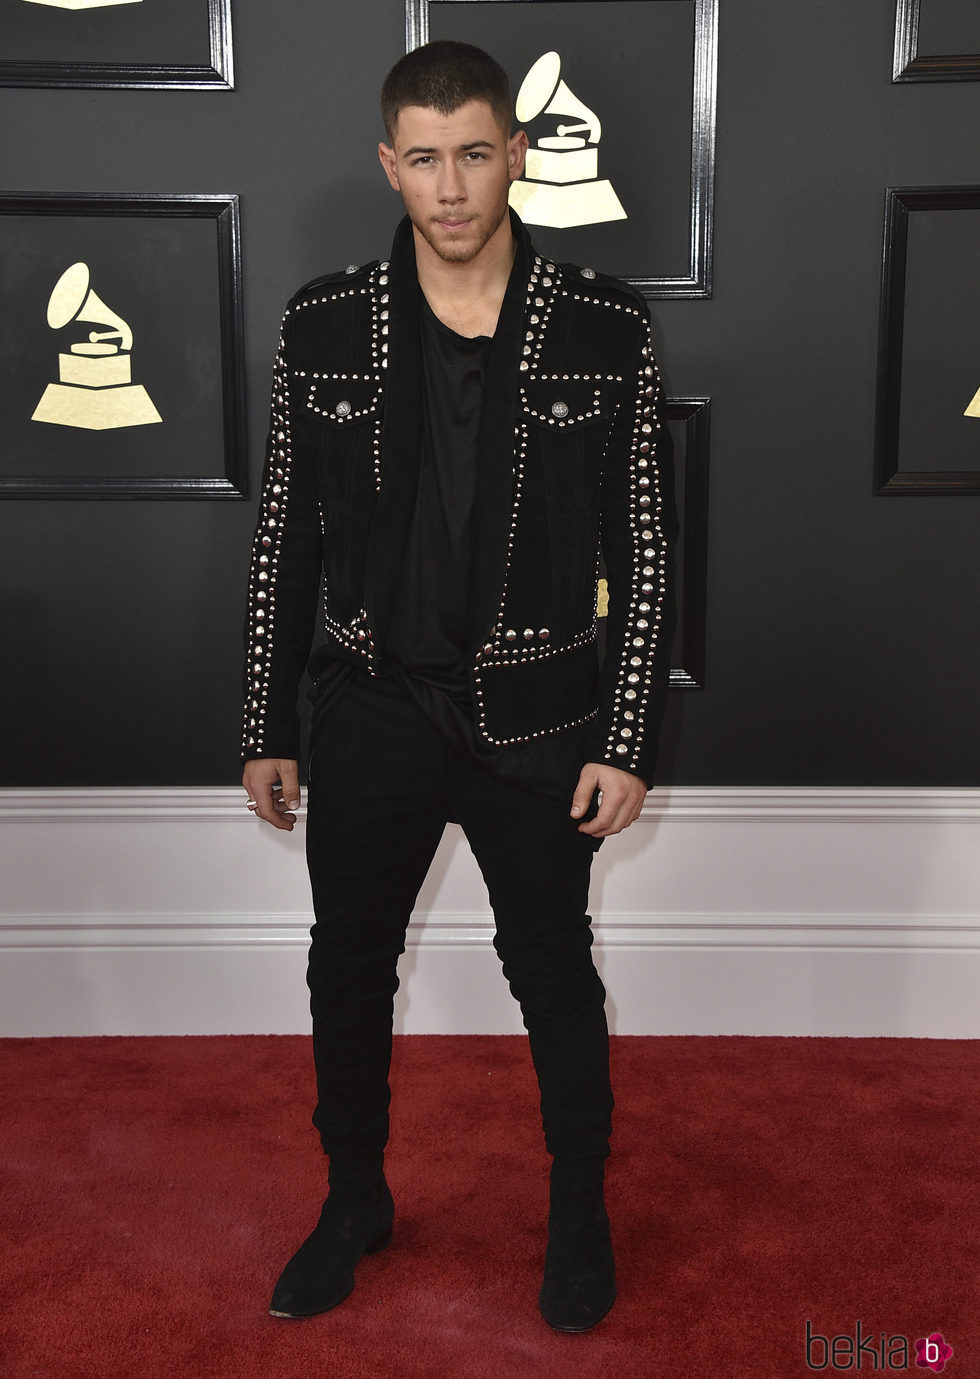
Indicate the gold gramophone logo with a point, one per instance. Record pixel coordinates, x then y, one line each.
95 388
973 410
82 4
561 186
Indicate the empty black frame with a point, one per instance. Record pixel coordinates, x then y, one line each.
688 670
169 274
889 476
910 65
696 282
214 73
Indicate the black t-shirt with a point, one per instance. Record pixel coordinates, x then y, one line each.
429 635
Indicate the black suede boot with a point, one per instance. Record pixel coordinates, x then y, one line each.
353 1223
579 1284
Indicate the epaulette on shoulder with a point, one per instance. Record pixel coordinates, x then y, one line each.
603 284
346 277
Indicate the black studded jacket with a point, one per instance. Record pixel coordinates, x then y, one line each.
574 479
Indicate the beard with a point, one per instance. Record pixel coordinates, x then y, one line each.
462 247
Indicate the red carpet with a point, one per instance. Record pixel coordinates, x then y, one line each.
152 1189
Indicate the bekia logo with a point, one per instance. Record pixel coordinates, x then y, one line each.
932 1352
889 1353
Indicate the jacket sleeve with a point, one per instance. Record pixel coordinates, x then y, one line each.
639 529
284 578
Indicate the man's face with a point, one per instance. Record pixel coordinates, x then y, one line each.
454 173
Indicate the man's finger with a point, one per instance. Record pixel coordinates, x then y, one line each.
267 808
616 812
608 807
582 796
289 780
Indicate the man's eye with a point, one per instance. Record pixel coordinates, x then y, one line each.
476 157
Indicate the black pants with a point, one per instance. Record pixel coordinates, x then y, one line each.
383 784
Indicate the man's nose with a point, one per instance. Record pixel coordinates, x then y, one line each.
451 184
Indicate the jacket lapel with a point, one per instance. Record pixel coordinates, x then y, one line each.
401 434
496 468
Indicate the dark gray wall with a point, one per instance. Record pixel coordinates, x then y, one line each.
842 643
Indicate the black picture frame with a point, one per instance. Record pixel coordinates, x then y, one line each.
216 73
696 280
691 482
192 354
911 65
891 476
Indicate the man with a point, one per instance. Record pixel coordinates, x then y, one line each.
456 435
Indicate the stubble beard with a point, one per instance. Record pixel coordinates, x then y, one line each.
458 251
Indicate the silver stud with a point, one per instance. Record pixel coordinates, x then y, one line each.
528 633
544 634
342 409
559 409
352 268
622 749
510 634
588 272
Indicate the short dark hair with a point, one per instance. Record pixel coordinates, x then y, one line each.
444 76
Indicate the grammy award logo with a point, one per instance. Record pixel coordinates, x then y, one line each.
561 186
973 410
82 4
95 390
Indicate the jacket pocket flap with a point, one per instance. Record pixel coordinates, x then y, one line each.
562 404
339 401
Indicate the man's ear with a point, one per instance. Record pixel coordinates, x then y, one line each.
516 153
387 156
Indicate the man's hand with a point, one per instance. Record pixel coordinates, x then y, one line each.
621 796
273 783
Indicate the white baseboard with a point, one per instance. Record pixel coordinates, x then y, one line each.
804 912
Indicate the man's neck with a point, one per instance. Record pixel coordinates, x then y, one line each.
467 297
